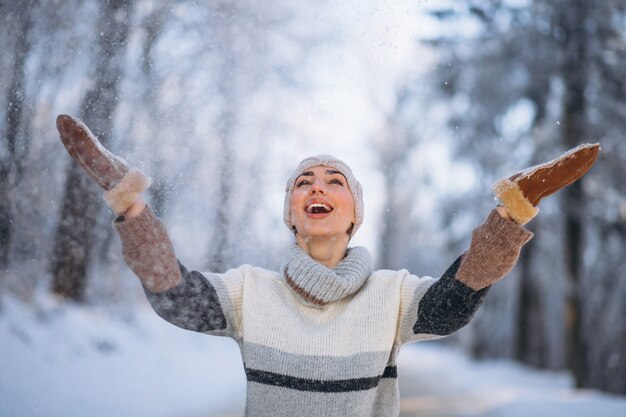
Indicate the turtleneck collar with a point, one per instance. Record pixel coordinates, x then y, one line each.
321 285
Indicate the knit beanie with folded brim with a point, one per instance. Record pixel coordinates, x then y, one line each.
332 162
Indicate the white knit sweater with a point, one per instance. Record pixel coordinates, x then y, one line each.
337 359
303 356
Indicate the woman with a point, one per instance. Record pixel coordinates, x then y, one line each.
321 336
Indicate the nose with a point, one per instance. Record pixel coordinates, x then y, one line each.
318 186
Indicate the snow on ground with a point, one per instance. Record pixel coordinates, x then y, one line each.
440 381
65 360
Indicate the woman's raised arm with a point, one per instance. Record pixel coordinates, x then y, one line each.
187 299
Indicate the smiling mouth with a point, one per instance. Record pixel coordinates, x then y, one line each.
318 208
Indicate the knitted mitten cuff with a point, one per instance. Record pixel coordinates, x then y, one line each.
513 199
495 248
125 193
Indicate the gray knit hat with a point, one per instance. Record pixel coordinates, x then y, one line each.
332 162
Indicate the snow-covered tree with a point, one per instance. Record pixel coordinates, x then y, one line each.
528 80
77 225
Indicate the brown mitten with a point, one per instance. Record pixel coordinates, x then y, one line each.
521 193
122 184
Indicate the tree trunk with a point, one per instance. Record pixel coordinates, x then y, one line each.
225 128
75 231
221 225
531 346
390 218
153 26
393 148
574 73
16 139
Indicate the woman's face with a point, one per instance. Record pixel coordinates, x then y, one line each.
321 204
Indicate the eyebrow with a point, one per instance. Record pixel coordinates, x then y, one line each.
328 171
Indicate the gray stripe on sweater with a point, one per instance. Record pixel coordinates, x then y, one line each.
359 365
267 400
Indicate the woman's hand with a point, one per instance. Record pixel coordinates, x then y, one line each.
503 212
122 184
135 209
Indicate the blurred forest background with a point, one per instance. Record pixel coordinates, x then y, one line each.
218 100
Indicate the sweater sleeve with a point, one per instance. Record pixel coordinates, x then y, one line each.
436 308
188 299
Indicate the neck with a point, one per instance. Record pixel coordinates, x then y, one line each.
328 252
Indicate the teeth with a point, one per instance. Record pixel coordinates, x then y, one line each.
317 205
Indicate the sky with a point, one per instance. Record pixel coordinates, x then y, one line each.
353 85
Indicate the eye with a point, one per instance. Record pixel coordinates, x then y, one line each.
336 181
303 182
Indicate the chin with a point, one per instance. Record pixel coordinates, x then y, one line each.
318 233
